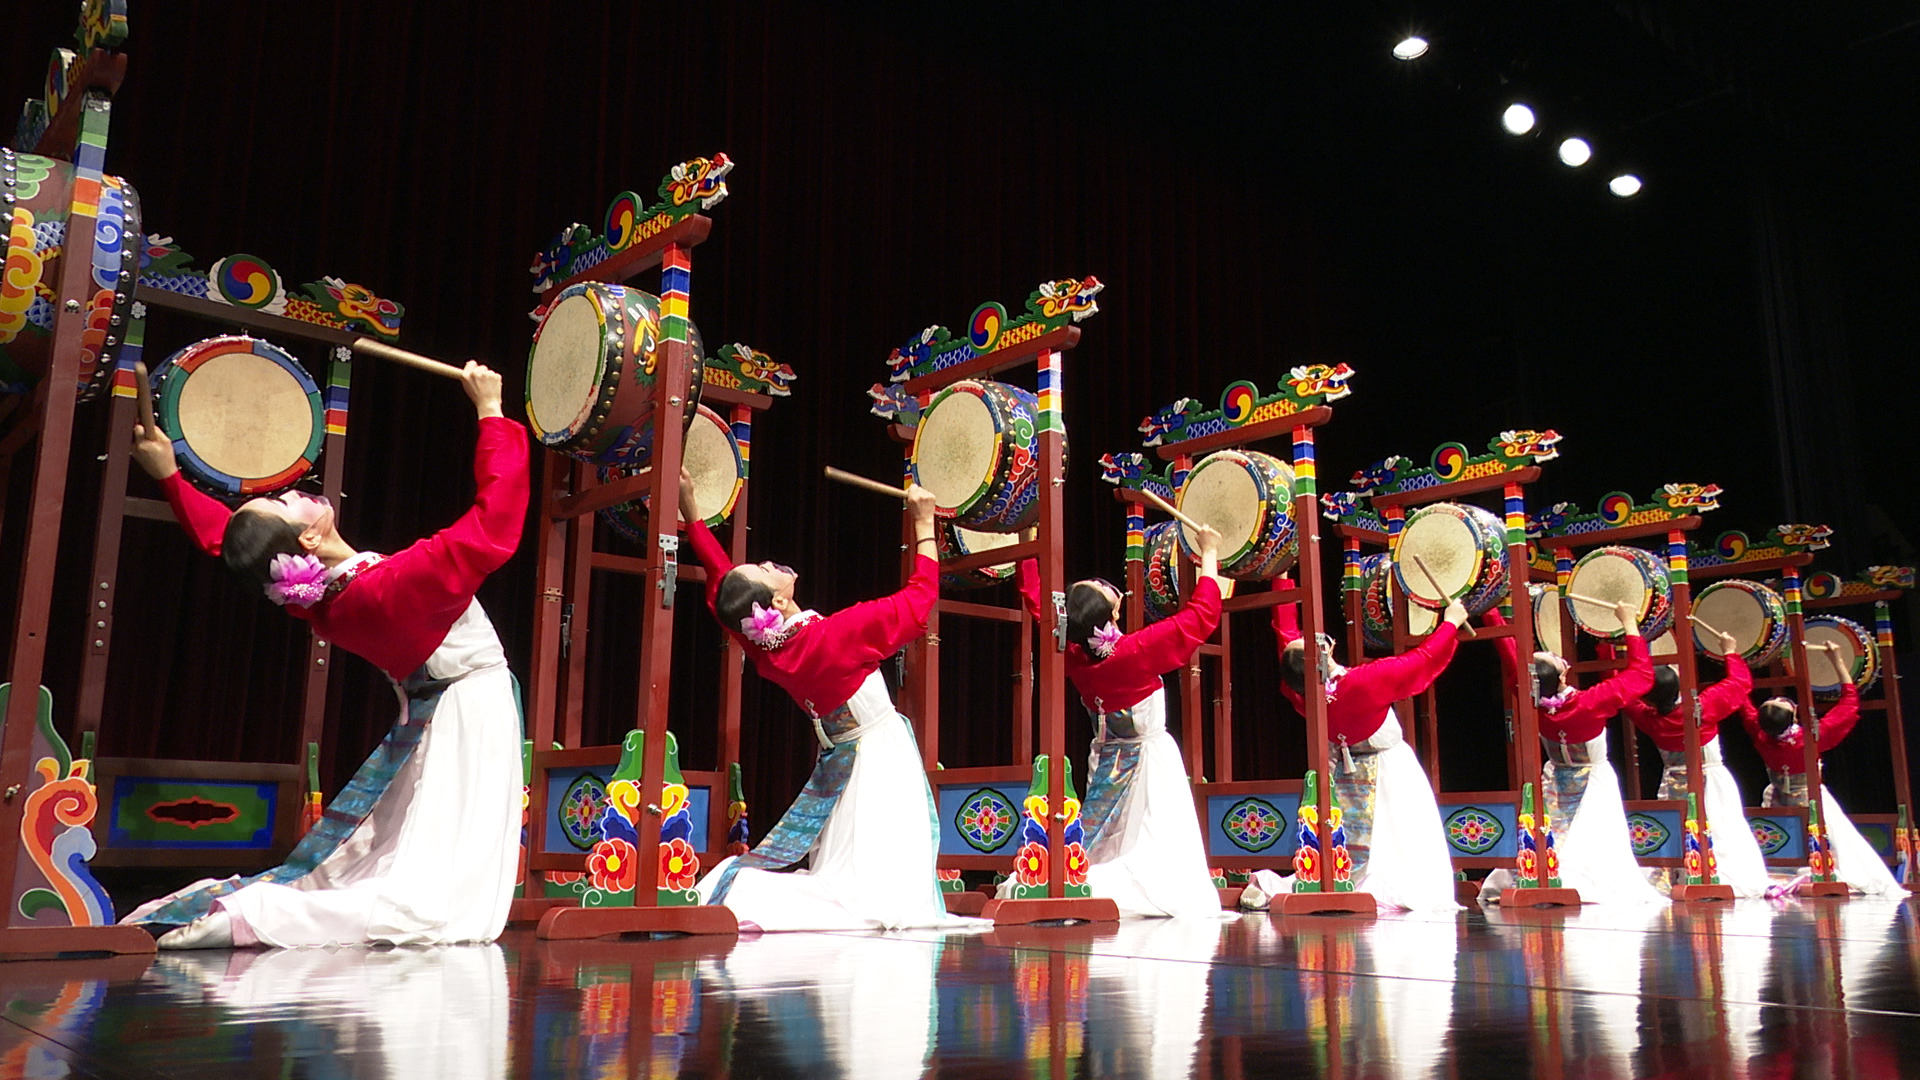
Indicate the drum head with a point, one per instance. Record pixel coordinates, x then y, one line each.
713 460
1447 545
563 374
1611 578
1221 492
1822 670
1547 606
955 448
1731 607
245 416
1665 647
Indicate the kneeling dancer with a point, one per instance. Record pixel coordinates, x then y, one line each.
1144 848
1777 734
1658 713
1394 834
1579 790
421 846
866 816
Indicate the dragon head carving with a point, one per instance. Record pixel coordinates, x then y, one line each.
1123 468
703 179
1168 420
902 361
1538 445
1380 474
1692 496
1328 381
1553 517
1890 577
890 402
1068 297
357 304
1812 537
759 367
551 263
1339 505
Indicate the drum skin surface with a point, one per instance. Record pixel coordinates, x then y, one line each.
1247 496
1857 650
976 448
1612 574
1378 590
39 194
1547 606
1463 547
591 374
710 455
955 542
1755 615
245 418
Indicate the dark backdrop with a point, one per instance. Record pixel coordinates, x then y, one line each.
1258 186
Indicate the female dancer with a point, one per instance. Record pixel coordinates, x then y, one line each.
1777 734
1394 835
422 845
1658 713
1580 792
1144 848
866 815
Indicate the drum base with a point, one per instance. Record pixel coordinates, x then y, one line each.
1324 903
1230 897
1825 890
531 909
573 923
1515 898
1050 909
965 903
1682 894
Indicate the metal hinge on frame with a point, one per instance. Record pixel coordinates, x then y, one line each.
669 568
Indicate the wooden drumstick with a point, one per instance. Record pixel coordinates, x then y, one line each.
1705 625
1171 511
370 347
1465 631
146 397
856 480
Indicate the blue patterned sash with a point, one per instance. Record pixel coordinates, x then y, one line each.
1109 776
793 836
1564 795
1356 783
342 816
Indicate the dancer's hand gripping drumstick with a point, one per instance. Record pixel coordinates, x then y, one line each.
152 450
1456 612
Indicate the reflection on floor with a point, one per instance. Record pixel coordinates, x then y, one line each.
1754 989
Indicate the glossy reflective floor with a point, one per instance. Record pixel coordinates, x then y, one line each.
1799 989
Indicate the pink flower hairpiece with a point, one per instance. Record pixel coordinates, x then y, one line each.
300 580
1104 640
1553 704
762 626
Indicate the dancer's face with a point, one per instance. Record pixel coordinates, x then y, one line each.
776 577
306 512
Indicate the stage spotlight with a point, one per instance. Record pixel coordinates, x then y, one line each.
1626 185
1518 119
1410 49
1576 152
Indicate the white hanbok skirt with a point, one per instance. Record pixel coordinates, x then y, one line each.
1736 852
872 866
1596 853
434 861
1854 860
1409 865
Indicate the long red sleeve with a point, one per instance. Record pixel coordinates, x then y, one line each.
1788 753
1586 716
714 558
201 515
826 660
397 612
1509 652
1839 721
1132 673
1717 702
1360 700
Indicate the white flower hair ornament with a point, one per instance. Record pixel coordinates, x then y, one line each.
762 626
300 580
1104 640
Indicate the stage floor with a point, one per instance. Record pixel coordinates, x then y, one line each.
1756 989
